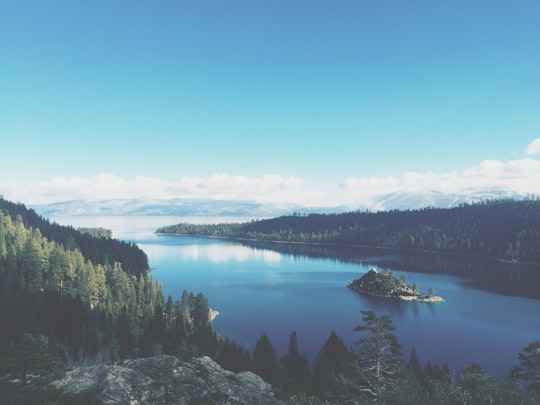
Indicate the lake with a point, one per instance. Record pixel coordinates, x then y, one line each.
261 290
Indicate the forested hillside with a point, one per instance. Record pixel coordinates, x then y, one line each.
58 305
98 250
501 229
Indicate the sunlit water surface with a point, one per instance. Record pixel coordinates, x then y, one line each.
262 291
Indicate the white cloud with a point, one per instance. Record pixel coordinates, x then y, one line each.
533 148
218 253
268 188
521 176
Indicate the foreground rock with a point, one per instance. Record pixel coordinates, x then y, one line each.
384 284
166 379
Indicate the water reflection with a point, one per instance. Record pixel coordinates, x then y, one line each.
221 253
401 308
480 273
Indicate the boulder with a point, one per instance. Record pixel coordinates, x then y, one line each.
166 379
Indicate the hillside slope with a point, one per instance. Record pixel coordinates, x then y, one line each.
501 229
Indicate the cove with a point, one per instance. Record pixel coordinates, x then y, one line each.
260 289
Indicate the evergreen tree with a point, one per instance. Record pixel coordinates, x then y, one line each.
529 370
377 361
265 360
296 368
330 362
414 365
479 386
202 328
31 265
233 357
28 355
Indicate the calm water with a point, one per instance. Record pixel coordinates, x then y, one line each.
261 290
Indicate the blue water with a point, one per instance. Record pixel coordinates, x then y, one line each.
261 291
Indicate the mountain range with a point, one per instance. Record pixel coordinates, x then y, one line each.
249 209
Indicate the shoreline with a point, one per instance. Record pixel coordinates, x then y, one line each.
352 245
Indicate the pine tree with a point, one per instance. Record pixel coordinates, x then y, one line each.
414 365
377 360
296 367
529 370
265 360
31 265
330 363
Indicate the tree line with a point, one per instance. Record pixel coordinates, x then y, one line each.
373 370
503 229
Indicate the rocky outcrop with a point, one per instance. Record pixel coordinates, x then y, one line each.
166 379
212 314
386 285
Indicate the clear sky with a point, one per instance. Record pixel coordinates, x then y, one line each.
316 102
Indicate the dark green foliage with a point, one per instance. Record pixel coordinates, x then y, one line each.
28 355
377 361
510 391
436 372
406 390
232 356
297 374
502 229
96 232
87 311
414 365
265 360
529 370
478 386
387 285
221 230
27 366
98 250
330 362
382 283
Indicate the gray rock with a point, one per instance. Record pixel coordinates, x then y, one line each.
167 380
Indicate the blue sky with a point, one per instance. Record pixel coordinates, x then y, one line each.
316 102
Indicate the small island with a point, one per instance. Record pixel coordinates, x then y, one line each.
386 285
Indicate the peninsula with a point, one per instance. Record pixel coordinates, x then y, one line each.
386 285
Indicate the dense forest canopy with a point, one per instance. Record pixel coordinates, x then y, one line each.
99 250
501 229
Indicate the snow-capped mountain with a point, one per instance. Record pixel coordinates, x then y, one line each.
172 207
220 208
422 199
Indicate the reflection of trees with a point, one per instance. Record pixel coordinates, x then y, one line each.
486 274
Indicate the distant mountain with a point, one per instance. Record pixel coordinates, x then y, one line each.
172 207
421 199
248 209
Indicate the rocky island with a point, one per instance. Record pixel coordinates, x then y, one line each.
386 285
